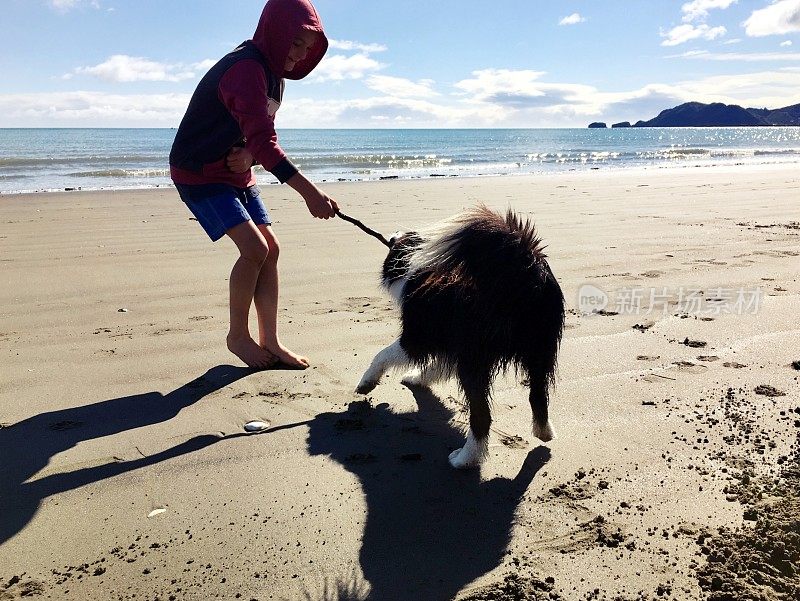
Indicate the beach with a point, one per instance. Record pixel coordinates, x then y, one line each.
126 472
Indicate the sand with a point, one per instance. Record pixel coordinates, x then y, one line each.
125 471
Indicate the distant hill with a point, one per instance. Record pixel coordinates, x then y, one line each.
697 114
788 115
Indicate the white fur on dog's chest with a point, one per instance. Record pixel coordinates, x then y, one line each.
397 288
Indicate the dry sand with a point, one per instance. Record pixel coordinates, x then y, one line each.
125 472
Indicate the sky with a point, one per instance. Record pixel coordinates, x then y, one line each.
406 63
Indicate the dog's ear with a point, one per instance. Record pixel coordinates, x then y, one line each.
410 239
395 238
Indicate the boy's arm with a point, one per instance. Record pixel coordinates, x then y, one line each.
243 91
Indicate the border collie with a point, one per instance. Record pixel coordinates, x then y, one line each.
476 296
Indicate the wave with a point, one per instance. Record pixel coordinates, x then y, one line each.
368 161
776 151
122 173
23 161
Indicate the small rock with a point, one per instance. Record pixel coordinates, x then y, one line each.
256 426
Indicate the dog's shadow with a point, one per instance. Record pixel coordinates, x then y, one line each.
28 446
430 530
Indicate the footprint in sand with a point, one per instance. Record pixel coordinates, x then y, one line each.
162 331
689 366
648 357
372 308
694 343
513 441
767 390
733 364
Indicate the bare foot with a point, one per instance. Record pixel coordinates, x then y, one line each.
288 358
248 351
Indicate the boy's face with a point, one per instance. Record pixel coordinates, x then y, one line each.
301 44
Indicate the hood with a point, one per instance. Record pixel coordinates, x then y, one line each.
280 23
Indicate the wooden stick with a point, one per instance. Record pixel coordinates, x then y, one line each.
363 227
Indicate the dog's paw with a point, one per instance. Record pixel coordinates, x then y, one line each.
471 454
366 386
544 433
462 459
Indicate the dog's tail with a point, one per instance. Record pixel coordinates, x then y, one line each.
479 244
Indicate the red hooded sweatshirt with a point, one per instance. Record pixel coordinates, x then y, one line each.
235 102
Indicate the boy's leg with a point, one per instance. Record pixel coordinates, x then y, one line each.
266 301
253 251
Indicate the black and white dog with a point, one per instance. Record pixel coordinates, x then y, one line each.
476 296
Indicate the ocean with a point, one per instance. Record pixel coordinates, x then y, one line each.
36 160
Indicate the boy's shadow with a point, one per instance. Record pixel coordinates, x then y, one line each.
430 530
28 446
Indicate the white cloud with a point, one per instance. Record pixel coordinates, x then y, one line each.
347 45
771 89
124 68
779 18
91 109
67 5
400 87
488 98
698 9
741 57
204 66
786 43
340 68
684 33
382 111
489 81
572 19
522 92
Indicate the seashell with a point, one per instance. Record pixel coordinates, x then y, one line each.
155 512
256 426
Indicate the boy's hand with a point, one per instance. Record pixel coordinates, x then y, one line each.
239 159
320 205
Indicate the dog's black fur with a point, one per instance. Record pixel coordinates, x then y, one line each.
478 297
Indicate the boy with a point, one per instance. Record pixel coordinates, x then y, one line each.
230 124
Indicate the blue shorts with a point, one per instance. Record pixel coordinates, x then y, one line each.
219 207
